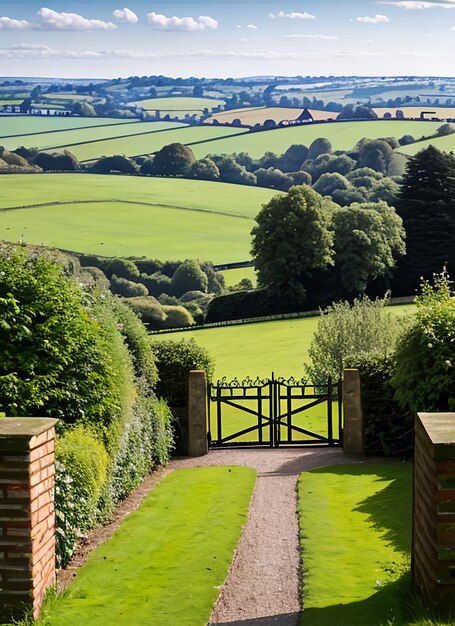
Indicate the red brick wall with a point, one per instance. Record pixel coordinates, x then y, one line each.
27 538
434 521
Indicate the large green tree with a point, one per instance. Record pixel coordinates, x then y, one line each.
427 206
291 240
369 237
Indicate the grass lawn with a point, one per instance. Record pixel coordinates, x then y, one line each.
165 564
25 124
157 217
46 140
355 529
446 144
343 135
355 535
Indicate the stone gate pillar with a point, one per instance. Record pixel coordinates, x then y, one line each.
353 414
197 414
27 535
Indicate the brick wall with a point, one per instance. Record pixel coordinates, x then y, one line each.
433 554
27 536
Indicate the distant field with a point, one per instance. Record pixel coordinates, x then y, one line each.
145 144
441 112
46 141
178 104
11 126
258 349
155 217
343 135
61 95
10 101
259 115
446 144
234 276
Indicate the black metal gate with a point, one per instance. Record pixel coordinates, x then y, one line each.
274 412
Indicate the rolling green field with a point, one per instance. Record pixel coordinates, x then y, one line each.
446 144
167 561
118 215
343 135
146 144
178 104
72 138
234 276
11 126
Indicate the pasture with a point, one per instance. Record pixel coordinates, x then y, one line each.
20 125
134 145
74 137
234 276
446 144
252 116
343 136
182 104
168 219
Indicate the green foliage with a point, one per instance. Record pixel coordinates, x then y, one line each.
232 172
149 310
188 277
425 355
115 163
85 461
146 443
136 339
174 159
273 178
175 360
156 283
61 355
291 240
127 288
57 161
69 516
388 429
319 146
205 169
293 158
328 183
345 330
369 237
177 317
427 206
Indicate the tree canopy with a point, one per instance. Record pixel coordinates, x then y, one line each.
291 240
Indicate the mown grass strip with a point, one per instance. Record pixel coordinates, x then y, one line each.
355 525
165 564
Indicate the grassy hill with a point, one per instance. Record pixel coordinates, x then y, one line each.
178 104
121 216
15 126
446 144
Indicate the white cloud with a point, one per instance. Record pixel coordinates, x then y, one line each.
374 19
26 51
252 26
161 22
8 23
293 15
244 40
421 5
55 20
126 15
301 36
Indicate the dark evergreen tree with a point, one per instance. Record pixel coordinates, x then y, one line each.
427 206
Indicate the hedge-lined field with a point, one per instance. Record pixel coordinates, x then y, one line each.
343 136
145 144
169 219
184 105
259 115
67 138
446 144
258 349
15 125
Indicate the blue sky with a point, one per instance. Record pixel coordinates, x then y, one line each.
107 38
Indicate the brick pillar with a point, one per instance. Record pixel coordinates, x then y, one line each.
353 414
27 535
197 414
433 534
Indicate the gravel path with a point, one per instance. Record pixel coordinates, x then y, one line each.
263 584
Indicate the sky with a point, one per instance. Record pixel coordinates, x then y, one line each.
110 38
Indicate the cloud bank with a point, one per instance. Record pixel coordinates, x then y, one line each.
174 23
